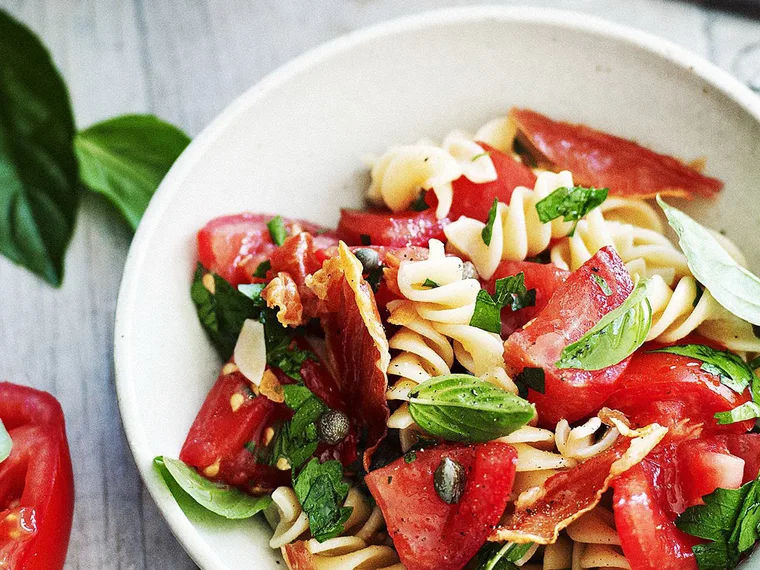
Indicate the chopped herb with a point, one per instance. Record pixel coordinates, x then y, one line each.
498 556
430 284
410 456
533 378
698 296
261 270
509 292
277 230
419 204
253 292
487 232
754 364
321 491
221 308
374 277
730 520
603 285
481 155
282 350
298 438
747 411
571 204
365 239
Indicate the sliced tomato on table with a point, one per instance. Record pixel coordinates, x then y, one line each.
234 246
668 388
397 229
36 481
606 161
576 306
428 533
474 200
544 278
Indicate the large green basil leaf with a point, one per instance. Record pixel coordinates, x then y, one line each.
225 501
125 159
614 338
732 370
6 445
39 191
730 284
459 407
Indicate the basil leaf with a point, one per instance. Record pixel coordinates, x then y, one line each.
570 203
262 268
615 337
277 230
730 518
225 501
39 195
6 444
747 411
322 492
430 284
509 291
731 285
488 229
533 378
297 439
497 556
221 313
419 204
732 370
459 407
125 159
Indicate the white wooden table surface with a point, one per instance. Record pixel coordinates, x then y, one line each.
185 61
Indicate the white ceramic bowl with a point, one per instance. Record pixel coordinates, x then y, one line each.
292 145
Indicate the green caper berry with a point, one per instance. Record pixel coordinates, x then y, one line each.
369 259
449 481
332 427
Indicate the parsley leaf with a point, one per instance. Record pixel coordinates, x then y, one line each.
570 203
730 519
419 204
262 268
534 378
509 292
322 492
297 439
221 312
487 232
277 230
430 284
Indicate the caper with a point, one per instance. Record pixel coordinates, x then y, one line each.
332 427
369 259
449 481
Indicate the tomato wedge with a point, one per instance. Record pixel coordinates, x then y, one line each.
645 523
376 227
598 159
544 278
36 482
578 304
668 388
234 246
705 465
428 533
474 200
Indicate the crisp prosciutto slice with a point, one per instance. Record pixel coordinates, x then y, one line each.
544 278
602 160
356 342
234 246
428 533
474 200
541 514
577 305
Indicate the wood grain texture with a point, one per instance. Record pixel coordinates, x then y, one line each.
185 61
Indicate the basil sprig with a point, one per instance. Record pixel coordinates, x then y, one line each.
225 501
732 370
321 491
616 336
730 284
460 407
570 203
509 292
729 520
6 444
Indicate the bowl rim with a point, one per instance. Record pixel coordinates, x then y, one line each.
198 549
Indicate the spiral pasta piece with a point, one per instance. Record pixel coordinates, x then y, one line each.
586 440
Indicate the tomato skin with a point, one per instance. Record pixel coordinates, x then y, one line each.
667 388
576 306
746 446
428 533
648 534
234 246
474 200
37 478
705 465
544 278
220 434
392 229
602 160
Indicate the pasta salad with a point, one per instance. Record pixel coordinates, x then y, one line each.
503 362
